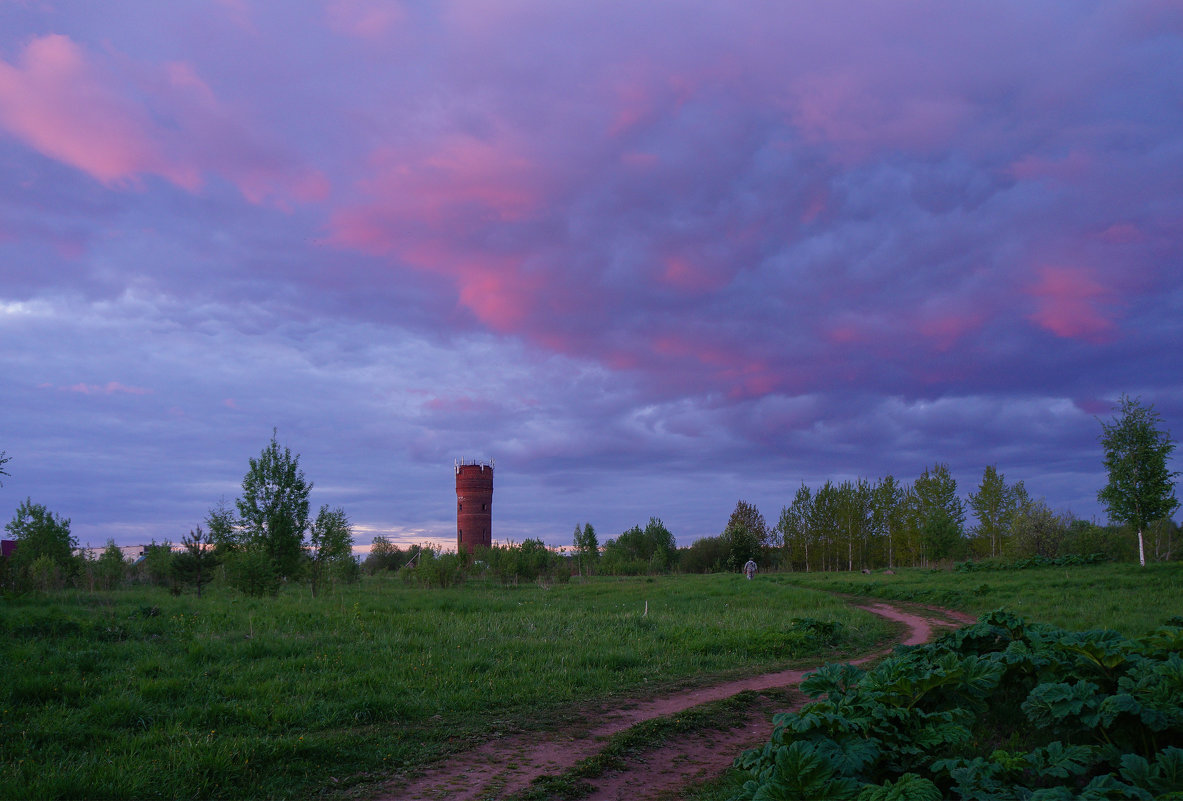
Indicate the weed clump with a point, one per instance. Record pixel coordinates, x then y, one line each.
1062 714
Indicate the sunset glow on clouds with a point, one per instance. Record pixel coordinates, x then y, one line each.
651 258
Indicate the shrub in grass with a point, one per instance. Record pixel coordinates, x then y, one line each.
252 572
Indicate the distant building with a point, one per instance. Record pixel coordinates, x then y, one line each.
474 504
131 553
7 547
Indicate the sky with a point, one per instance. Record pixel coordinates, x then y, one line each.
652 258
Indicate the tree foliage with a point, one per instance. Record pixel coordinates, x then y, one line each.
747 516
157 565
42 537
1141 487
273 509
251 571
995 504
110 567
587 547
637 551
222 528
330 542
1038 531
742 544
793 528
941 511
195 564
383 555
704 555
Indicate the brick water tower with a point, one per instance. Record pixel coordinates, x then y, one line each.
474 504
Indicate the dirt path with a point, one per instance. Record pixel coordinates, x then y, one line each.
505 766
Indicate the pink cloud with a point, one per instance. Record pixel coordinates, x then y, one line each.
1068 169
1072 304
858 114
110 388
691 275
1093 406
461 179
1121 234
364 19
421 208
640 160
497 293
846 334
943 325
118 126
61 104
462 403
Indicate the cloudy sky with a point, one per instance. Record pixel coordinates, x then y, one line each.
651 257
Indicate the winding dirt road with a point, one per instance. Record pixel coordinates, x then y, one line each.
502 767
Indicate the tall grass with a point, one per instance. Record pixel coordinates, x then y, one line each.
1124 597
139 694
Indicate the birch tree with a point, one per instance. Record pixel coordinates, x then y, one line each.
1141 487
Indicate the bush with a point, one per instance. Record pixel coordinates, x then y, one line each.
251 572
436 569
347 570
384 555
110 568
706 555
156 566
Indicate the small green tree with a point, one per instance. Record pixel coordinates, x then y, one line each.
742 545
111 567
587 548
383 555
1038 531
943 513
888 513
793 528
1141 487
195 564
273 509
331 541
45 574
704 555
994 504
222 528
747 516
157 566
40 533
251 571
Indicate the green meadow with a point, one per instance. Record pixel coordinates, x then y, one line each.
1120 596
136 693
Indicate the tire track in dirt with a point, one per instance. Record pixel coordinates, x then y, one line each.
502 767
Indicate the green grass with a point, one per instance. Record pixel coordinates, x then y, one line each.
1124 597
138 694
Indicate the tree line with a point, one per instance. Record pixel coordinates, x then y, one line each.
268 538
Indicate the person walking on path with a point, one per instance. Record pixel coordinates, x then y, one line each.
749 569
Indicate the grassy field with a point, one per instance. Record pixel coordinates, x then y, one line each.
1122 597
139 694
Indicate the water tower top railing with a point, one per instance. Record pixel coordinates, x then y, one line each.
481 463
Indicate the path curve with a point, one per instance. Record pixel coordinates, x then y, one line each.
505 766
